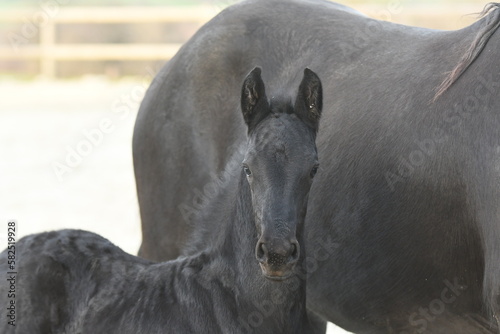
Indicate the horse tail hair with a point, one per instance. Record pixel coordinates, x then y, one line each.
491 14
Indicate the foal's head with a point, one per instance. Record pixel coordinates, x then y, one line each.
280 163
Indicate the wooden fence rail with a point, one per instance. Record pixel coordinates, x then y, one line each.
48 51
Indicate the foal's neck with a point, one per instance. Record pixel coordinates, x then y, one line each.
263 302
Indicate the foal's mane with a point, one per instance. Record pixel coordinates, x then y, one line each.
214 219
491 13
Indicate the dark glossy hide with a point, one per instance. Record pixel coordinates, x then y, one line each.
403 219
73 281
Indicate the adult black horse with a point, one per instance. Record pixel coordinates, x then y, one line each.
404 218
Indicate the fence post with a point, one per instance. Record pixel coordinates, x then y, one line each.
47 42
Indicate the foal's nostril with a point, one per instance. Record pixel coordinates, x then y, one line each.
261 252
294 251
277 253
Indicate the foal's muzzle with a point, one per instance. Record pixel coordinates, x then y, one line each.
277 257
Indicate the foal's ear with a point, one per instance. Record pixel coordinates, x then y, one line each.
309 102
254 103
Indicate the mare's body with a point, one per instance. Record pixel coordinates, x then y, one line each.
409 186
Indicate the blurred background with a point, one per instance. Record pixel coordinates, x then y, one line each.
72 75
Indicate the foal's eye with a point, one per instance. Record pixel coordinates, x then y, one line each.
314 170
247 170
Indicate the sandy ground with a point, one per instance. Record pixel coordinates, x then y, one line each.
66 159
